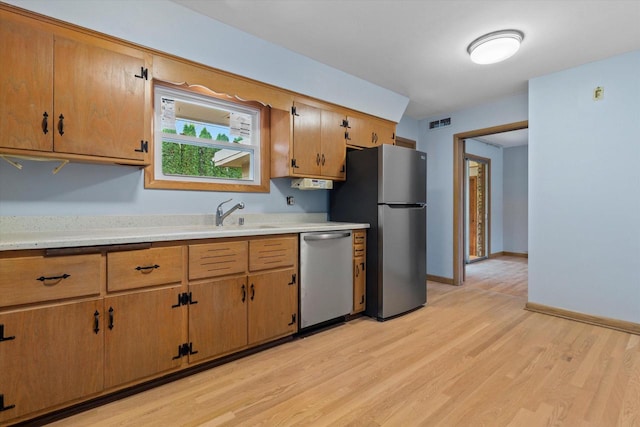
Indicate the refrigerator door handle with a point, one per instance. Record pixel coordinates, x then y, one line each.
405 205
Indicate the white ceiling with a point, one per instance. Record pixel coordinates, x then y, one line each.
417 48
514 138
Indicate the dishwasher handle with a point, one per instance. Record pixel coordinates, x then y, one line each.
327 236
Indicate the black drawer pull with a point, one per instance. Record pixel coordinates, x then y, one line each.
149 267
64 276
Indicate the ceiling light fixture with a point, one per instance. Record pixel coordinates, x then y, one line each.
495 47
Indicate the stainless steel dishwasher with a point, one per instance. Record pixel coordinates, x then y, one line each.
326 276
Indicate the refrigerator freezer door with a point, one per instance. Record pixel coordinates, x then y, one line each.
404 173
401 259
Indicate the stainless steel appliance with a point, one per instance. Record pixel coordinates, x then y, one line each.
326 277
386 187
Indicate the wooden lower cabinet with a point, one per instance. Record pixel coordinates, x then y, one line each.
273 305
359 285
218 322
143 334
359 271
50 356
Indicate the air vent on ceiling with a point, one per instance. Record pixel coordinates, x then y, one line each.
440 123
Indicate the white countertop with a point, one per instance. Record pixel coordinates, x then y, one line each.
21 233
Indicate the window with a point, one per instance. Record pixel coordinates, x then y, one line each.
207 141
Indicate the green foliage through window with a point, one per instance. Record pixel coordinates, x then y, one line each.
192 160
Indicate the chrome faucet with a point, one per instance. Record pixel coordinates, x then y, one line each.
220 215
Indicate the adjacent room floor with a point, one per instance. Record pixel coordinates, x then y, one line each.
472 356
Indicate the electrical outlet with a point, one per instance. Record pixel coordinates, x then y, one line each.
598 93
291 201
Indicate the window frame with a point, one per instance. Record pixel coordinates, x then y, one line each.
262 149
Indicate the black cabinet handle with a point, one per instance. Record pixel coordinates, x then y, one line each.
96 322
191 301
244 293
2 337
362 300
293 280
64 276
149 267
318 159
2 407
61 125
110 317
45 123
293 320
323 159
253 292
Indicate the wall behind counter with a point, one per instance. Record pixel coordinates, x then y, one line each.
86 189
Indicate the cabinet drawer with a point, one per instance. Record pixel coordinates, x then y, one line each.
359 237
145 267
36 279
272 253
217 259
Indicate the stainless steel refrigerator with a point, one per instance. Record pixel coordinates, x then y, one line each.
386 187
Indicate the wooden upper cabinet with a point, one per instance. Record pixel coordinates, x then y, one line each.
99 102
307 144
68 96
333 157
26 85
308 141
369 132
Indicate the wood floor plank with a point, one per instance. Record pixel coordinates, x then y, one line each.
472 356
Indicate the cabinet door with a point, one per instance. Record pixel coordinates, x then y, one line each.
273 305
218 322
385 133
360 133
142 334
26 108
334 150
359 284
50 356
101 100
306 140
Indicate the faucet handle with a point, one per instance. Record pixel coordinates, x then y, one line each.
226 201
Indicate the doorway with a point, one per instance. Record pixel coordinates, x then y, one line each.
477 208
459 193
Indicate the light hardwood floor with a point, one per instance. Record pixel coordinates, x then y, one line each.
472 357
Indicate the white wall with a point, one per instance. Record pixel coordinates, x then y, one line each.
438 144
515 199
478 148
408 128
584 189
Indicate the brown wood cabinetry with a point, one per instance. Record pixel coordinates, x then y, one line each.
239 308
143 334
70 96
369 132
50 356
359 270
308 141
145 327
273 305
